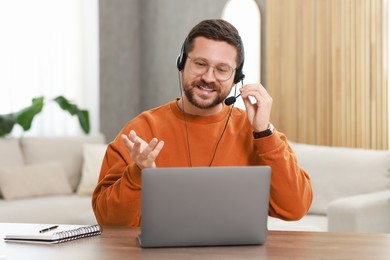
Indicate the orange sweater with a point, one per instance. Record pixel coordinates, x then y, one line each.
117 197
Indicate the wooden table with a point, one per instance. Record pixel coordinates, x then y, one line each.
121 243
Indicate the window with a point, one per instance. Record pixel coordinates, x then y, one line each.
249 27
49 48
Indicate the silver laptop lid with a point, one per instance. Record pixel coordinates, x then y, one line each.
204 206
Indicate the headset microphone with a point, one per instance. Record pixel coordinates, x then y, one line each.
231 100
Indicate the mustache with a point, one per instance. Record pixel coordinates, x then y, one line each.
204 84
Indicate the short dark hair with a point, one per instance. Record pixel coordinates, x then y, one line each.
219 30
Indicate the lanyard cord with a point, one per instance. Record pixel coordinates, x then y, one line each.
220 138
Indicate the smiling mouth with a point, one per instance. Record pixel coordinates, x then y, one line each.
205 88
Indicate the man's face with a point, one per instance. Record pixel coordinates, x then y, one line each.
205 90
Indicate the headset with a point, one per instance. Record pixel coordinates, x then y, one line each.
181 61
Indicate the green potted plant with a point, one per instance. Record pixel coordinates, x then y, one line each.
25 116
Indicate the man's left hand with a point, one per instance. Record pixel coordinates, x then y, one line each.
258 112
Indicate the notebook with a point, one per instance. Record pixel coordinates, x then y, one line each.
49 234
204 206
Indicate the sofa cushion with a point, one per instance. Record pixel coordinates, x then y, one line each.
33 180
60 209
67 150
338 172
10 152
93 155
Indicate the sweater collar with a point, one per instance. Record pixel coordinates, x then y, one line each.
221 116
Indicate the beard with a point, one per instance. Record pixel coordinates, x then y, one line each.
199 102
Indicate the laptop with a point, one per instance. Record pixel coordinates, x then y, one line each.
204 206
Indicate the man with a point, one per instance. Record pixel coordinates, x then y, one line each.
197 129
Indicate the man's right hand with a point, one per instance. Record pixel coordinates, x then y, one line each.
142 153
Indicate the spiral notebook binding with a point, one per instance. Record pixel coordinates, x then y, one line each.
81 232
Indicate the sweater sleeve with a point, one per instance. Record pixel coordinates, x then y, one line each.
291 192
116 199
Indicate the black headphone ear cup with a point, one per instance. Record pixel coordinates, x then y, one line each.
181 60
178 62
239 74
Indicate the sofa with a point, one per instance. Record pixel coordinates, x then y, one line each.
351 190
50 180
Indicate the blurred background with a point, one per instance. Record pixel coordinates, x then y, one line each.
325 63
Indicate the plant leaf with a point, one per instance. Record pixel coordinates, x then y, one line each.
82 115
7 122
66 105
25 116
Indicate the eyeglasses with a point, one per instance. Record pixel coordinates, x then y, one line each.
199 66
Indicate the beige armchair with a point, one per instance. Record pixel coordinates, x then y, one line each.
361 213
351 189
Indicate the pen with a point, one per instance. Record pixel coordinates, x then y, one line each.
48 229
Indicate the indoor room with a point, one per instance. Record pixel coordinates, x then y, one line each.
83 81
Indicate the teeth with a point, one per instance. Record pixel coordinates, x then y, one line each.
207 89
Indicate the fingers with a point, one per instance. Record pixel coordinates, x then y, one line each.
148 149
257 91
258 112
129 139
126 142
143 154
247 102
136 148
133 136
146 158
156 151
